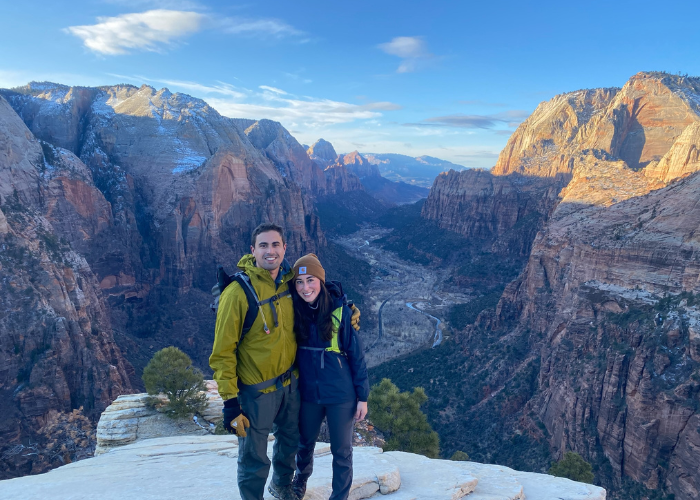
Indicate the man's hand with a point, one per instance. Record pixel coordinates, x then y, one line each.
361 412
234 420
355 319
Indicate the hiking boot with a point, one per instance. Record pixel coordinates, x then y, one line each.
299 487
282 492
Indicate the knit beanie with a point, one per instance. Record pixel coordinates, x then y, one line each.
309 264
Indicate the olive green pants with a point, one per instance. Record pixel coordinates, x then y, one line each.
276 412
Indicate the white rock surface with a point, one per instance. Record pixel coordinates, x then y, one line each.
128 419
205 467
423 477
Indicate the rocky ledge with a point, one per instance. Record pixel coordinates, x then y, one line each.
129 419
204 467
144 454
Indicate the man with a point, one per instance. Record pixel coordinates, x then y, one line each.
256 378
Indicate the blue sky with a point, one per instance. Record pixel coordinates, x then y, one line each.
447 79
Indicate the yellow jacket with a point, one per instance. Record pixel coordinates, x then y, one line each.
260 356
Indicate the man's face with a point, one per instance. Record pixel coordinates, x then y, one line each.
269 250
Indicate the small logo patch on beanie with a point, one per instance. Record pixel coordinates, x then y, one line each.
302 270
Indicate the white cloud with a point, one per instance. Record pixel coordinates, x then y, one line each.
405 47
155 29
295 111
273 89
411 49
221 88
308 112
149 30
258 27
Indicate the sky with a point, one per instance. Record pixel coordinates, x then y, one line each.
446 79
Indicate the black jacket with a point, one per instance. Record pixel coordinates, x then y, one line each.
343 377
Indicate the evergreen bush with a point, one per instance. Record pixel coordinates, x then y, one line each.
170 372
459 456
399 417
574 467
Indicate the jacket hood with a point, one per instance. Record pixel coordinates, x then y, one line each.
335 289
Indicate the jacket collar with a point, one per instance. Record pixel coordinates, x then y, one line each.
247 264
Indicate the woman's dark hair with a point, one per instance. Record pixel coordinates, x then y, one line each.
304 317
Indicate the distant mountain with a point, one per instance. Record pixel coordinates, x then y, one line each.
420 171
387 191
323 152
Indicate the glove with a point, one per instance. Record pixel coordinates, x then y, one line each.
355 319
234 420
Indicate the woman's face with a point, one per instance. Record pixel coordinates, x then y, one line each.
308 287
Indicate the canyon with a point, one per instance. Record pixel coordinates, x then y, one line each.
118 202
593 348
117 205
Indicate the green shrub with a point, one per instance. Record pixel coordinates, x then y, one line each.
459 456
170 372
399 417
574 467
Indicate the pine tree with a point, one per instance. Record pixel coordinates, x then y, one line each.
398 416
574 467
170 372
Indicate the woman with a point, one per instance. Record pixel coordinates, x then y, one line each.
332 373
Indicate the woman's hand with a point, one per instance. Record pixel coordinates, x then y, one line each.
361 412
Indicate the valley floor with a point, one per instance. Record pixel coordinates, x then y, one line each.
404 295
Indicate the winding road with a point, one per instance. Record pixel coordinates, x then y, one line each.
381 325
437 338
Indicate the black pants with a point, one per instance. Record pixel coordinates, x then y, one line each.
340 427
278 412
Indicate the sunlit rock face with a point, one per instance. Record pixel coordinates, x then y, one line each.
358 165
592 291
541 145
606 302
323 152
606 145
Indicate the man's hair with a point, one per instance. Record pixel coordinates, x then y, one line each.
264 228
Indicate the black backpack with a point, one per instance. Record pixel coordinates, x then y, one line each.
223 280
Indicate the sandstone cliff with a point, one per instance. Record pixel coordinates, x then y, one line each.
359 165
185 187
323 152
117 205
604 134
593 348
58 351
604 288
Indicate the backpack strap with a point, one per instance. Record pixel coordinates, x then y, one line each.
336 317
253 305
272 301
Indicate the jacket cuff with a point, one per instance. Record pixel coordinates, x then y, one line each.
231 403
